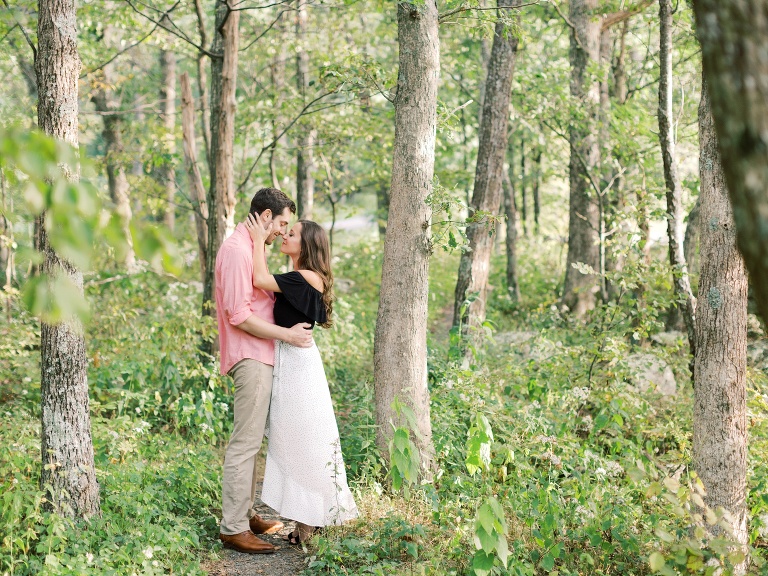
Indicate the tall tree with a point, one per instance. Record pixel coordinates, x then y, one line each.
106 101
68 474
720 405
305 183
400 348
168 120
734 41
475 261
221 192
510 241
199 202
580 290
675 232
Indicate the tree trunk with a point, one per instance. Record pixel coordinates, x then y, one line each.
68 476
105 101
536 186
475 262
691 241
720 408
579 290
382 207
680 279
523 197
513 287
400 348
193 171
168 119
221 192
202 83
277 73
734 41
6 238
305 183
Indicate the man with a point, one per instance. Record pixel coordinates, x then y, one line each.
246 337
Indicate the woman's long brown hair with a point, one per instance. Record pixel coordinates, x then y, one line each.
315 255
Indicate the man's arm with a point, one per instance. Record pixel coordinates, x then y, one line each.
299 335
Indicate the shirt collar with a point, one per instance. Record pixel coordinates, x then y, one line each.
243 231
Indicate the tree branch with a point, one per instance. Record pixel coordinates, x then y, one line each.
617 17
23 30
478 9
120 53
180 34
278 136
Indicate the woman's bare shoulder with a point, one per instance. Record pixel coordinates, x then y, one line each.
313 278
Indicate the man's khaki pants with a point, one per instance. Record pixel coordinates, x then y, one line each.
253 389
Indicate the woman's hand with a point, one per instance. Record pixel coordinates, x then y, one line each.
256 230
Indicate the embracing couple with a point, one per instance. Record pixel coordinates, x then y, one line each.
265 333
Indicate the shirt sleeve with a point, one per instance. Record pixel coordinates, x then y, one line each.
302 295
236 287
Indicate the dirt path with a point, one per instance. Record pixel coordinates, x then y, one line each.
287 561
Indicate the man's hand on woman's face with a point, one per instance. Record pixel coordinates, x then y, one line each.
258 232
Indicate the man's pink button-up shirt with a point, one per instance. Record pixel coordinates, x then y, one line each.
237 299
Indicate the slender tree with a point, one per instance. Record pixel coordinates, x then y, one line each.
720 405
486 196
305 183
400 348
511 238
168 120
106 101
734 41
68 475
193 171
579 289
221 192
682 284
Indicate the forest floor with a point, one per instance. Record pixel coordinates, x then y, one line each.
287 561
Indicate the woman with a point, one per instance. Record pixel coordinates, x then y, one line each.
304 478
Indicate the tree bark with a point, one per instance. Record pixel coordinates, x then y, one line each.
513 287
720 409
400 348
579 290
734 41
168 119
105 100
193 171
202 83
277 73
691 241
475 261
68 476
221 192
523 196
6 238
305 183
682 285
536 186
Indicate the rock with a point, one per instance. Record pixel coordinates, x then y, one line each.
343 285
651 372
526 344
672 338
757 353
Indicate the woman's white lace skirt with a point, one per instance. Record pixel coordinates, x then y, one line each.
304 479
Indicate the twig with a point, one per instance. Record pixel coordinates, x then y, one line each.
278 136
23 30
478 9
120 53
180 34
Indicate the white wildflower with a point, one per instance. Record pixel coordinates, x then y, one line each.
148 552
89 557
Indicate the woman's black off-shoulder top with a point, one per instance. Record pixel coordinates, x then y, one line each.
298 301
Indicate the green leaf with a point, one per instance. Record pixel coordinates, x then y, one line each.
482 563
656 561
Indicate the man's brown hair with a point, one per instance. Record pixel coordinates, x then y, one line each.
271 199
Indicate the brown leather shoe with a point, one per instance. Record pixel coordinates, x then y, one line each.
260 526
246 543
